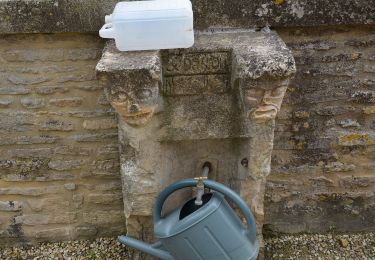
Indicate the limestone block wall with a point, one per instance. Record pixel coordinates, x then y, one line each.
59 165
323 172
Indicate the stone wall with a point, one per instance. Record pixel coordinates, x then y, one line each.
59 171
51 16
323 172
59 165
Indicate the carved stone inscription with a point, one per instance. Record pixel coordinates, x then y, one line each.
196 73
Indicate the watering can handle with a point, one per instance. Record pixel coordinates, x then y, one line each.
233 196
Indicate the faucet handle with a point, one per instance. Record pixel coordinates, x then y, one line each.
200 178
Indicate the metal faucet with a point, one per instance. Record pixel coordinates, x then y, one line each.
200 185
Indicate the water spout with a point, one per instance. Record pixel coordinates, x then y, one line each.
200 186
147 248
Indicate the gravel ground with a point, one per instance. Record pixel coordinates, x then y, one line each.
331 246
101 248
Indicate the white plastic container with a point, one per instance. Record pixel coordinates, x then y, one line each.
150 25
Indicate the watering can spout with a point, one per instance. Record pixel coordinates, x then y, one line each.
147 248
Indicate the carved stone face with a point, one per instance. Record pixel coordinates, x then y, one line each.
263 105
135 101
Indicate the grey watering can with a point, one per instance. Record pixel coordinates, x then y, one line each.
211 231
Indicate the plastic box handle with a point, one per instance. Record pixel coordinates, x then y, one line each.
107 31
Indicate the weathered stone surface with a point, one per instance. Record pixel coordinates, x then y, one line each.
62 165
111 165
86 230
313 45
10 206
46 69
39 203
327 95
358 182
215 102
33 55
369 68
72 150
4 103
196 73
55 125
64 16
369 82
70 186
29 80
94 137
78 200
109 186
22 169
30 191
101 217
54 234
82 53
354 139
30 153
103 100
77 77
47 90
32 103
302 114
109 149
48 176
141 104
49 113
99 124
339 167
360 43
341 57
16 121
99 173
362 96
105 199
66 102
35 219
51 54
14 90
50 204
346 70
324 211
248 64
327 183
369 110
91 86
23 140
348 123
91 113
334 110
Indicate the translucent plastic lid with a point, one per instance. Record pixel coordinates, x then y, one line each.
154 9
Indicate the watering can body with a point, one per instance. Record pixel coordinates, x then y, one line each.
211 231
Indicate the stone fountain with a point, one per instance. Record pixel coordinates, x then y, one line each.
215 102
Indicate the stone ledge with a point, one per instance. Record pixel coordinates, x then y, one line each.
50 16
